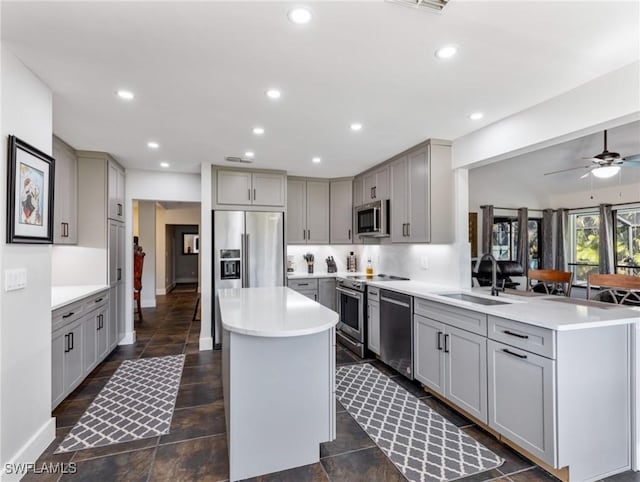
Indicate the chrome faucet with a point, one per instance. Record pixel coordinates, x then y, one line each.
494 272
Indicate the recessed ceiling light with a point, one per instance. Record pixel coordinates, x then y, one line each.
316 160
249 154
300 15
356 126
153 145
605 171
258 131
476 116
164 164
125 94
273 93
446 52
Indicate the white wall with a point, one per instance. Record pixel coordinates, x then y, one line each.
607 101
147 239
26 425
612 195
151 186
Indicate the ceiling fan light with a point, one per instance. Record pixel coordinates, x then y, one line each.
606 171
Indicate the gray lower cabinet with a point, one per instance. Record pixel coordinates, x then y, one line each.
73 366
327 292
311 294
522 395
452 362
373 326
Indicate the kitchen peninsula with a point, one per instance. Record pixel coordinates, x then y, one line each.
278 376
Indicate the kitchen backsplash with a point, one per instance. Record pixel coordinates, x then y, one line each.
445 263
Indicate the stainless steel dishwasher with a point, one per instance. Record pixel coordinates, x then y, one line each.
396 331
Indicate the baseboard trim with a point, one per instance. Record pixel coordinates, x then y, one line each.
161 292
148 303
206 343
29 452
129 338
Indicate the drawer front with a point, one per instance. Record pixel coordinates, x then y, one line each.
96 301
534 339
373 293
67 314
303 284
452 315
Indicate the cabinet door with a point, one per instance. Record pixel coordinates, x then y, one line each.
341 217
120 195
234 187
312 294
58 346
113 252
317 212
399 173
382 183
73 357
428 349
466 371
521 398
358 192
115 188
65 226
373 325
418 229
327 292
369 187
90 341
296 211
268 189
112 319
120 254
102 341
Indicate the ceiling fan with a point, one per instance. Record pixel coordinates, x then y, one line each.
603 165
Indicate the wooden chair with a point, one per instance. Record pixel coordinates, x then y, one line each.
138 263
550 281
615 288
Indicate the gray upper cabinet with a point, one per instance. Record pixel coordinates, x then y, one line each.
250 188
410 198
341 212
115 189
358 191
307 211
399 200
65 225
376 184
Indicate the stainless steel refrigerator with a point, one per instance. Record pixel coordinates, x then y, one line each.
248 251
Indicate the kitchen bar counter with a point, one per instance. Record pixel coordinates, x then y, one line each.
278 379
552 312
65 295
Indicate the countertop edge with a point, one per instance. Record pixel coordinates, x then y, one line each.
287 334
90 290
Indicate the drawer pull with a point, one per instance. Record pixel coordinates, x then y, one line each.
506 350
517 335
66 343
446 343
440 340
303 284
98 300
68 315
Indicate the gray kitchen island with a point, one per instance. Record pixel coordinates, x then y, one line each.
278 376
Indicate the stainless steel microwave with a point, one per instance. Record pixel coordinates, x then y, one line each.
372 219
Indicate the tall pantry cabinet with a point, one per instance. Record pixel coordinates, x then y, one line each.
101 217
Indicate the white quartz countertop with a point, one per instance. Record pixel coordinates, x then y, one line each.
273 312
64 295
552 312
321 274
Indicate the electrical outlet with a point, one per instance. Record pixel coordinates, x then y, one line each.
424 262
15 279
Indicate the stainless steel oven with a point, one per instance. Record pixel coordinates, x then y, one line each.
351 306
372 219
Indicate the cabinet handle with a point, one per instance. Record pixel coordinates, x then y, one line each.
66 343
254 194
304 234
119 209
68 315
119 274
439 340
518 335
315 297
446 343
66 230
249 193
71 338
375 192
506 350
408 229
303 284
404 230
349 235
98 300
308 234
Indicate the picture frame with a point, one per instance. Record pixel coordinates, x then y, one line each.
190 243
30 194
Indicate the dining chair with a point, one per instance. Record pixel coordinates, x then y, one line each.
621 289
138 263
550 281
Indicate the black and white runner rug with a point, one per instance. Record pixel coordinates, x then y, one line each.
420 442
137 402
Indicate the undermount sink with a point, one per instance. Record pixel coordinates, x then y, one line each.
474 299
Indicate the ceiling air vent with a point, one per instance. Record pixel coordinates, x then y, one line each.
427 5
237 159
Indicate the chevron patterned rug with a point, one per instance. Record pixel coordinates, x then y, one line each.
137 402
423 445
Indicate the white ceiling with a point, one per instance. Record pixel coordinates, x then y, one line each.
199 71
528 170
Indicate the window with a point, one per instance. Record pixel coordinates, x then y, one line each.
628 242
505 240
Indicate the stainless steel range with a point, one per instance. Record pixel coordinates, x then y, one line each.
352 307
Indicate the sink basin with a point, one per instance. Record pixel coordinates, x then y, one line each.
474 299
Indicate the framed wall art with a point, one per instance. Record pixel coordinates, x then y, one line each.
30 186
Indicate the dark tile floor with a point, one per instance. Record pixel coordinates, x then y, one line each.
196 450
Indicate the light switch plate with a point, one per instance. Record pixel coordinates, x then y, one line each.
15 279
